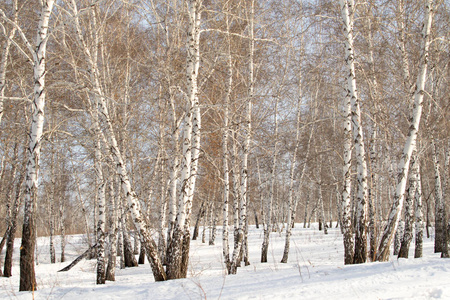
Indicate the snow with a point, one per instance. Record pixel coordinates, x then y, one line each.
315 270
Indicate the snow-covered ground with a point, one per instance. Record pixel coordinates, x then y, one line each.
315 271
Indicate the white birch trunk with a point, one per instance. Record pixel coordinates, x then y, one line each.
411 190
212 239
101 187
112 234
85 215
211 222
27 249
242 193
205 221
120 248
399 236
101 221
62 229
226 171
360 255
322 221
51 201
178 251
236 179
173 173
306 211
197 222
409 207
418 211
346 205
330 210
128 252
410 144
162 220
192 127
372 192
245 148
339 207
226 191
373 226
440 215
164 186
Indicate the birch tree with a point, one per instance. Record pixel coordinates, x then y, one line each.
410 144
418 210
322 221
360 254
27 273
225 137
101 186
409 88
178 247
112 234
440 213
411 197
52 208
62 227
244 190
373 194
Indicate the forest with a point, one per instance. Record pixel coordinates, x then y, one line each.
134 122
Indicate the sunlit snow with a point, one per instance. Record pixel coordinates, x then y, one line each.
315 271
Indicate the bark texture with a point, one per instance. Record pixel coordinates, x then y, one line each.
409 207
360 254
27 273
